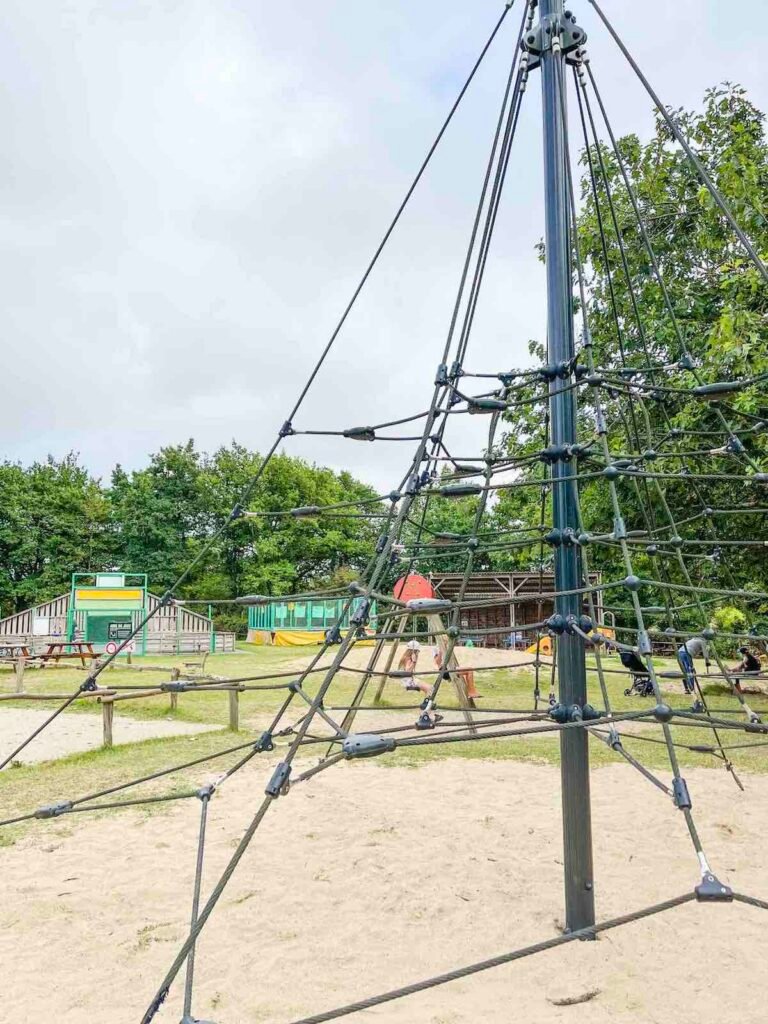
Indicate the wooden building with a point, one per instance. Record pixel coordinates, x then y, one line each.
515 598
104 608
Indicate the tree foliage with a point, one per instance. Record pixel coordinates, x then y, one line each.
55 519
720 306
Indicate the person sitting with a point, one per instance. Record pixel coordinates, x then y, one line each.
749 665
408 662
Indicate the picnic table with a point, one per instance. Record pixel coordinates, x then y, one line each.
81 649
14 651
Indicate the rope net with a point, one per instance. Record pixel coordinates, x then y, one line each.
667 459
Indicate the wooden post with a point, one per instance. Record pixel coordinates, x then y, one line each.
20 666
450 665
107 717
175 673
234 710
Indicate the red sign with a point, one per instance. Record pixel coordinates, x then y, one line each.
413 586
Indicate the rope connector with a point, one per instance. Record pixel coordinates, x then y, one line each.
360 433
560 34
286 430
460 490
712 890
305 511
361 614
484 406
278 784
680 794
428 605
54 810
264 742
366 745
556 623
333 636
174 687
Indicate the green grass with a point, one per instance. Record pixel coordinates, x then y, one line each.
25 788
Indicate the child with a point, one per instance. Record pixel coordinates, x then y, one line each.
466 674
408 662
749 664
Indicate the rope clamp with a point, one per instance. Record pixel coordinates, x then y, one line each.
555 33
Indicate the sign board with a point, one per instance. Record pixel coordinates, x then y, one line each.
41 625
106 598
109 579
119 630
112 646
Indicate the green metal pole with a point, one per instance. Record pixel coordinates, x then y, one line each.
572 680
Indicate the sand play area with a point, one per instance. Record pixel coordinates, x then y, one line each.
370 876
79 732
467 657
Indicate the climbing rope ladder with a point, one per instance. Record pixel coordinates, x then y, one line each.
625 401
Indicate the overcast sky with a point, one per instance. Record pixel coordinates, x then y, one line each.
190 188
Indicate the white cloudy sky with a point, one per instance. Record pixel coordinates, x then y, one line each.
190 188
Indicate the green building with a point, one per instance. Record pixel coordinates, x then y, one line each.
300 623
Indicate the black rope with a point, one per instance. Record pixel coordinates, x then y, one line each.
496 961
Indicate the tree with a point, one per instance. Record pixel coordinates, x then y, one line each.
720 305
54 521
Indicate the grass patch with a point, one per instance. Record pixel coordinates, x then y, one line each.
28 787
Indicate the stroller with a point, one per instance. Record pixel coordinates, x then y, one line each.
641 681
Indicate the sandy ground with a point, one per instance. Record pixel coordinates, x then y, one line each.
467 657
368 877
74 733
